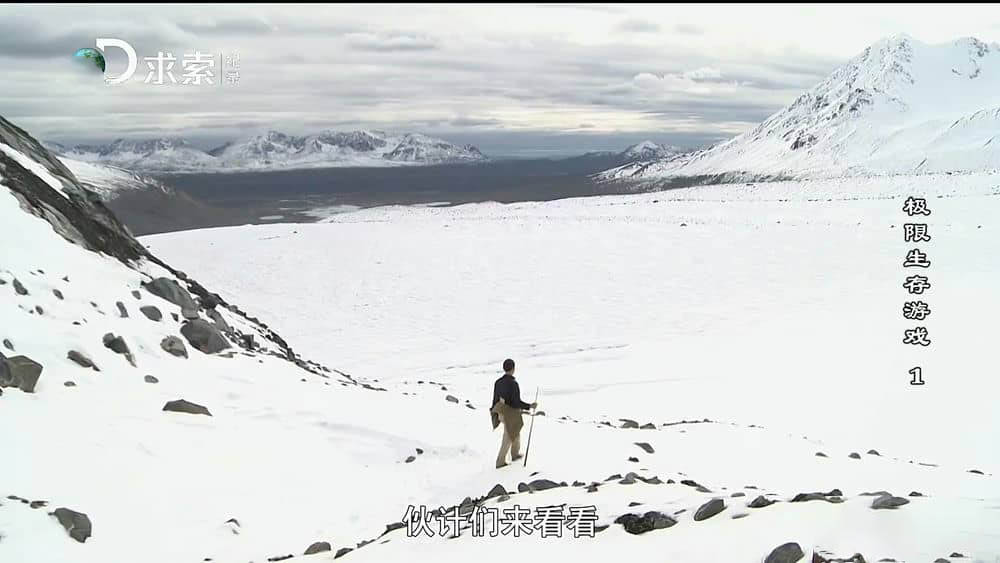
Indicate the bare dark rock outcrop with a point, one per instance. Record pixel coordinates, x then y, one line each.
186 407
709 509
77 524
174 346
204 337
786 553
888 502
81 360
317 547
19 371
652 520
151 312
117 345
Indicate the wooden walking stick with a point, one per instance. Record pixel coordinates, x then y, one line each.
527 448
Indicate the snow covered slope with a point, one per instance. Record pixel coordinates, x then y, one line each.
274 149
773 308
899 107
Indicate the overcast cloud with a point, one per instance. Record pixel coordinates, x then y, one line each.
545 79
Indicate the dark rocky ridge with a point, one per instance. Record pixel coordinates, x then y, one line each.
83 219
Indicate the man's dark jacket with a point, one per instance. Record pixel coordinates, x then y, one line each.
507 388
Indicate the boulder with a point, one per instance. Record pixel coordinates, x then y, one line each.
648 449
410 459
542 485
151 312
204 337
854 455
117 345
761 502
652 520
172 291
58 294
18 288
150 379
186 407
496 491
873 452
219 321
136 294
174 346
210 301
709 509
69 384
122 311
21 372
343 551
7 344
451 399
626 423
785 553
648 426
76 523
81 360
317 547
806 497
888 502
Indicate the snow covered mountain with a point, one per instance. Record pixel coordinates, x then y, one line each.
152 155
108 181
648 150
276 150
900 107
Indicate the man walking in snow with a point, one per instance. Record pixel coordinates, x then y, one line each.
507 407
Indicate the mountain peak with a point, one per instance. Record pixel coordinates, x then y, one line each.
899 106
648 150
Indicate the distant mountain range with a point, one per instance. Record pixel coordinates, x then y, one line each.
274 150
899 107
119 164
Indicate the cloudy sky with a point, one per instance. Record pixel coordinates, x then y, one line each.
513 79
